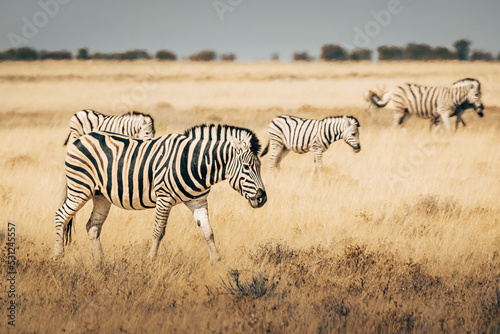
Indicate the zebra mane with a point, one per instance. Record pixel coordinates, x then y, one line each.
352 118
466 81
221 131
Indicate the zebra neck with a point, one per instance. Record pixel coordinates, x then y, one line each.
213 167
459 95
331 131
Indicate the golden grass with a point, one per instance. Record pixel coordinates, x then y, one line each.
402 237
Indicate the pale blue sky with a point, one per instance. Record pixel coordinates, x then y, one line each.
253 29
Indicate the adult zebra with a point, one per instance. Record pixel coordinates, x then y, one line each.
435 103
160 173
133 124
290 133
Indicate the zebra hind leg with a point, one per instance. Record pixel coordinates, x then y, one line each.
94 225
199 208
163 206
275 155
64 221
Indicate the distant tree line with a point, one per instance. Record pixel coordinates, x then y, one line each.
27 53
329 52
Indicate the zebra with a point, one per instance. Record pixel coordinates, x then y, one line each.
303 135
133 124
160 173
435 103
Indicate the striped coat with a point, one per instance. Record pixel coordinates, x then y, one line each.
133 124
300 135
160 173
435 103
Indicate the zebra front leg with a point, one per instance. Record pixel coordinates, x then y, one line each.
199 208
446 122
163 206
459 120
318 162
94 225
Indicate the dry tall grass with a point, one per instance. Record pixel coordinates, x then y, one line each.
402 237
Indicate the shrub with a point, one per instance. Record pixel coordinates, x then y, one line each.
302 56
166 55
333 52
55 55
105 56
416 51
24 53
360 54
228 57
134 54
481 55
444 53
389 52
258 286
204 55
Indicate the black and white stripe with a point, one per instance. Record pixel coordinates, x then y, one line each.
133 124
160 173
289 133
435 103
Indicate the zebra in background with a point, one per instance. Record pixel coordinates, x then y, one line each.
303 135
160 173
435 103
133 124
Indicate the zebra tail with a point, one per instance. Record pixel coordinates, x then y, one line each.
265 150
67 231
378 101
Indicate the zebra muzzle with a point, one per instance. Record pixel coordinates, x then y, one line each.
356 148
479 110
259 200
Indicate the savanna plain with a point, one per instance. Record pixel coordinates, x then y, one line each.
401 237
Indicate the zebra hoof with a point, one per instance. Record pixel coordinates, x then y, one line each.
57 256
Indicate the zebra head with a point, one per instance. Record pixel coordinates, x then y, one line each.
350 134
244 170
473 95
144 127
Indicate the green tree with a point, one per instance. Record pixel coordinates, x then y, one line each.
83 54
462 47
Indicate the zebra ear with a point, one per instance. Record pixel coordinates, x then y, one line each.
238 144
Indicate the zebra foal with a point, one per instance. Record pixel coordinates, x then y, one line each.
159 173
290 133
